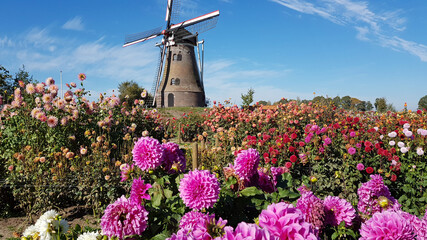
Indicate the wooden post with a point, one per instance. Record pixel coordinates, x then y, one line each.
216 140
194 155
179 133
202 145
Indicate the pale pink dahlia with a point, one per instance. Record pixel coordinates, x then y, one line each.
123 218
246 163
174 160
312 208
148 153
190 219
139 191
199 189
52 121
338 210
286 222
247 231
387 225
370 194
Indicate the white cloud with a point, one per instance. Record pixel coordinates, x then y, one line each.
370 25
6 42
74 24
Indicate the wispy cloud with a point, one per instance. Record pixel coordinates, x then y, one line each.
378 27
6 42
74 24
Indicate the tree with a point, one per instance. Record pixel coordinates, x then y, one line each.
369 106
422 104
381 104
346 102
129 91
337 101
5 81
361 106
22 75
248 98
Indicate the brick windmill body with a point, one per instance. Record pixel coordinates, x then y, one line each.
179 81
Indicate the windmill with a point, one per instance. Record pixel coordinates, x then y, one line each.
181 83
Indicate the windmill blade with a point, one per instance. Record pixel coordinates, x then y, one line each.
172 10
141 37
159 73
210 16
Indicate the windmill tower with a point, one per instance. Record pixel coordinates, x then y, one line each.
181 83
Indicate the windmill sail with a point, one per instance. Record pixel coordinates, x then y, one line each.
194 21
141 37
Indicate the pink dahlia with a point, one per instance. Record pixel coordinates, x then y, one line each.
192 218
338 210
247 231
181 235
123 218
148 153
199 189
246 163
174 160
419 225
371 192
139 191
52 121
312 209
387 225
210 229
286 222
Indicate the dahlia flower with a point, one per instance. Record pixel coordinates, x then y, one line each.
264 181
247 231
246 163
210 229
370 192
338 210
419 225
52 121
199 189
148 153
387 225
139 191
190 219
123 218
312 208
174 160
88 236
286 222
48 226
360 166
181 235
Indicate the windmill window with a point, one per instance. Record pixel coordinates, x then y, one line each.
175 81
174 57
179 57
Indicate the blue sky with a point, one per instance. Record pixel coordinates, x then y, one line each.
280 48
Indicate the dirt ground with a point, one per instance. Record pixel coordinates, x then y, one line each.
13 227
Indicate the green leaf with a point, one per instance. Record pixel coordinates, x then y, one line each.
157 199
250 191
168 193
160 236
335 235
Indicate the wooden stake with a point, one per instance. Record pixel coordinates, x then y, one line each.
194 155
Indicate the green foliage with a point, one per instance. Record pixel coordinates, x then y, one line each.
131 91
422 103
248 98
381 105
190 126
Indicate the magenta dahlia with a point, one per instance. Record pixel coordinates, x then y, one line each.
374 196
148 153
210 229
174 160
247 231
286 222
387 225
246 163
123 218
199 189
139 191
190 219
338 210
419 225
181 235
312 208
